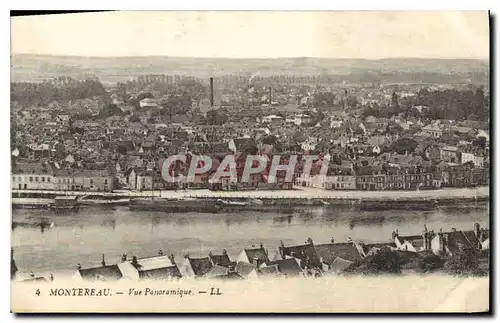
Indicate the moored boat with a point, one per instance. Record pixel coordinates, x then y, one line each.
173 205
414 205
99 201
65 203
31 203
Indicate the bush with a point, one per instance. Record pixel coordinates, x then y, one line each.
466 263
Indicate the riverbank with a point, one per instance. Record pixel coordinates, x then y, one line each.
481 192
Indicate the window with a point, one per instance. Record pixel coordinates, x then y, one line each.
13 178
31 178
43 179
91 181
106 181
19 179
48 179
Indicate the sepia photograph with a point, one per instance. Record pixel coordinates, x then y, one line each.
250 162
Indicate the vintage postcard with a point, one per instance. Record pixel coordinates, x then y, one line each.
272 162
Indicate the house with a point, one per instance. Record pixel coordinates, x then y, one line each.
83 179
303 120
221 260
196 267
158 268
144 180
309 144
103 273
148 103
306 253
271 271
367 249
483 134
432 131
216 271
336 123
32 176
288 267
336 257
414 243
63 119
240 144
256 256
450 243
246 270
341 182
273 120
450 154
37 152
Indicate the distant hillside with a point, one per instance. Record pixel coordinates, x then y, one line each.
37 67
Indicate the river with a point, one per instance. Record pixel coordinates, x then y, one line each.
44 242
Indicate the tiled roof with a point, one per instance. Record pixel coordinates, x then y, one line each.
221 260
329 252
230 276
200 265
257 253
244 269
465 238
148 263
288 267
306 253
272 270
102 273
216 271
339 265
160 273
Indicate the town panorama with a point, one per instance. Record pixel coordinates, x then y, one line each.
405 188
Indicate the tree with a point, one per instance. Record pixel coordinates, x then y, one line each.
134 118
385 261
480 142
323 99
465 262
110 109
430 263
121 90
404 145
394 106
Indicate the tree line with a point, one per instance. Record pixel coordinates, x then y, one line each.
61 90
439 104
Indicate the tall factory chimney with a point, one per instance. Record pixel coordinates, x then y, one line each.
345 99
211 91
270 96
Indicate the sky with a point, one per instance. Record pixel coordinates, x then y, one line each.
338 34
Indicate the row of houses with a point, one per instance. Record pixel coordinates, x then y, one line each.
37 177
308 259
397 178
44 177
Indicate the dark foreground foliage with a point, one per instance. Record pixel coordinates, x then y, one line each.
468 262
385 261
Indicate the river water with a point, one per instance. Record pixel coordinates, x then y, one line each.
44 242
